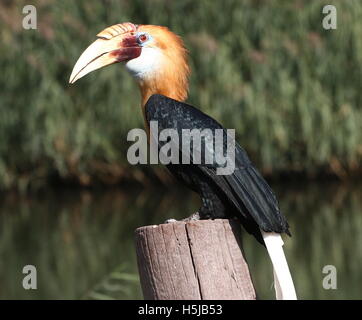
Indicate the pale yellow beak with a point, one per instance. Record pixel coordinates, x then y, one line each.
104 52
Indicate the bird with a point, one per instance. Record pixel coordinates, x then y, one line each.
158 59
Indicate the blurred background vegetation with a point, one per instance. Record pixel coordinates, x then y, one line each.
291 89
267 68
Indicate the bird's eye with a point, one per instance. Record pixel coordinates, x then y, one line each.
142 38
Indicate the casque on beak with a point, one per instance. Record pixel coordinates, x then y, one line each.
112 47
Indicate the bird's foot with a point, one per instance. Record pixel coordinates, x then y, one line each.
194 217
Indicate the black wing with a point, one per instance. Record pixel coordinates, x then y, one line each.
245 188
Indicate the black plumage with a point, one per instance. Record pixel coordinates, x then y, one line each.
243 194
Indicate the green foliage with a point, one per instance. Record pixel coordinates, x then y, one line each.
291 89
114 286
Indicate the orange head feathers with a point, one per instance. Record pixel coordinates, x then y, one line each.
154 55
164 62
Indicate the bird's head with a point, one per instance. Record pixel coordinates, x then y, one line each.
154 55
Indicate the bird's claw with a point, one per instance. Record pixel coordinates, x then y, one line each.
194 217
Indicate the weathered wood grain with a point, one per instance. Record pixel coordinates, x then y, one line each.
196 260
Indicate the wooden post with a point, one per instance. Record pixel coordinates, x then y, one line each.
196 260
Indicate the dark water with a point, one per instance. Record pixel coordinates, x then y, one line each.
81 242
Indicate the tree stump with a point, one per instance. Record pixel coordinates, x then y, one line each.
196 260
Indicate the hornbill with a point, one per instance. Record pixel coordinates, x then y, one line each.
157 58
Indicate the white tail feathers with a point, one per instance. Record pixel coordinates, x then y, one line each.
283 282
